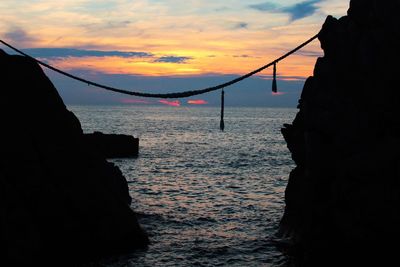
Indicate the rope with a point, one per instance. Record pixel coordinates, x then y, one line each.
166 95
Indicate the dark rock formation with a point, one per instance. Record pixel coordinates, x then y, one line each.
112 145
343 198
59 202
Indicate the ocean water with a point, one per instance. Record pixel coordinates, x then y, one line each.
205 197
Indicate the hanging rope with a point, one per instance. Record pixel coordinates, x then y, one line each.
221 123
274 85
166 95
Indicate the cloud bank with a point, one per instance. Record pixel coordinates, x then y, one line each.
172 59
60 53
19 36
72 52
295 12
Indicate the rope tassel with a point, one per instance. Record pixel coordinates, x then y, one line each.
221 123
274 85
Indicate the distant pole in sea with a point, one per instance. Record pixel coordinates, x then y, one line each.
274 84
222 124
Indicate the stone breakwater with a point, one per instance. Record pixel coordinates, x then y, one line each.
60 201
343 198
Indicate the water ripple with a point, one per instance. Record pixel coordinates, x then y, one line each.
206 198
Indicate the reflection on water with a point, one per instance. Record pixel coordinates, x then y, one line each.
206 197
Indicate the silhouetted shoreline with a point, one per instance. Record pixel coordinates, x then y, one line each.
60 200
112 145
342 199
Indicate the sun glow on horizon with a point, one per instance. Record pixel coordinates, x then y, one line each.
278 93
197 102
175 103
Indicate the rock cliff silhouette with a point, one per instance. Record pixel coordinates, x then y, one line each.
112 145
343 198
60 202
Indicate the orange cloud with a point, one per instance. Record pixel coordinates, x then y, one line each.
197 102
167 33
175 103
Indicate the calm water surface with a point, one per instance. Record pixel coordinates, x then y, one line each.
205 197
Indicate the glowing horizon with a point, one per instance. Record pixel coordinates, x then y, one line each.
172 103
197 102
169 38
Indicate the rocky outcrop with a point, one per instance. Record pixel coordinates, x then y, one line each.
343 198
112 145
59 202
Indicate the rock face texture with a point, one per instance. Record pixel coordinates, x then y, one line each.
343 198
59 202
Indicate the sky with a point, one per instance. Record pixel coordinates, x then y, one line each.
170 45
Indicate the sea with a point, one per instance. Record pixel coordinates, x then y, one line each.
205 197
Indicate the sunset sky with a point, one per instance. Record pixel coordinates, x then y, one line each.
143 44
